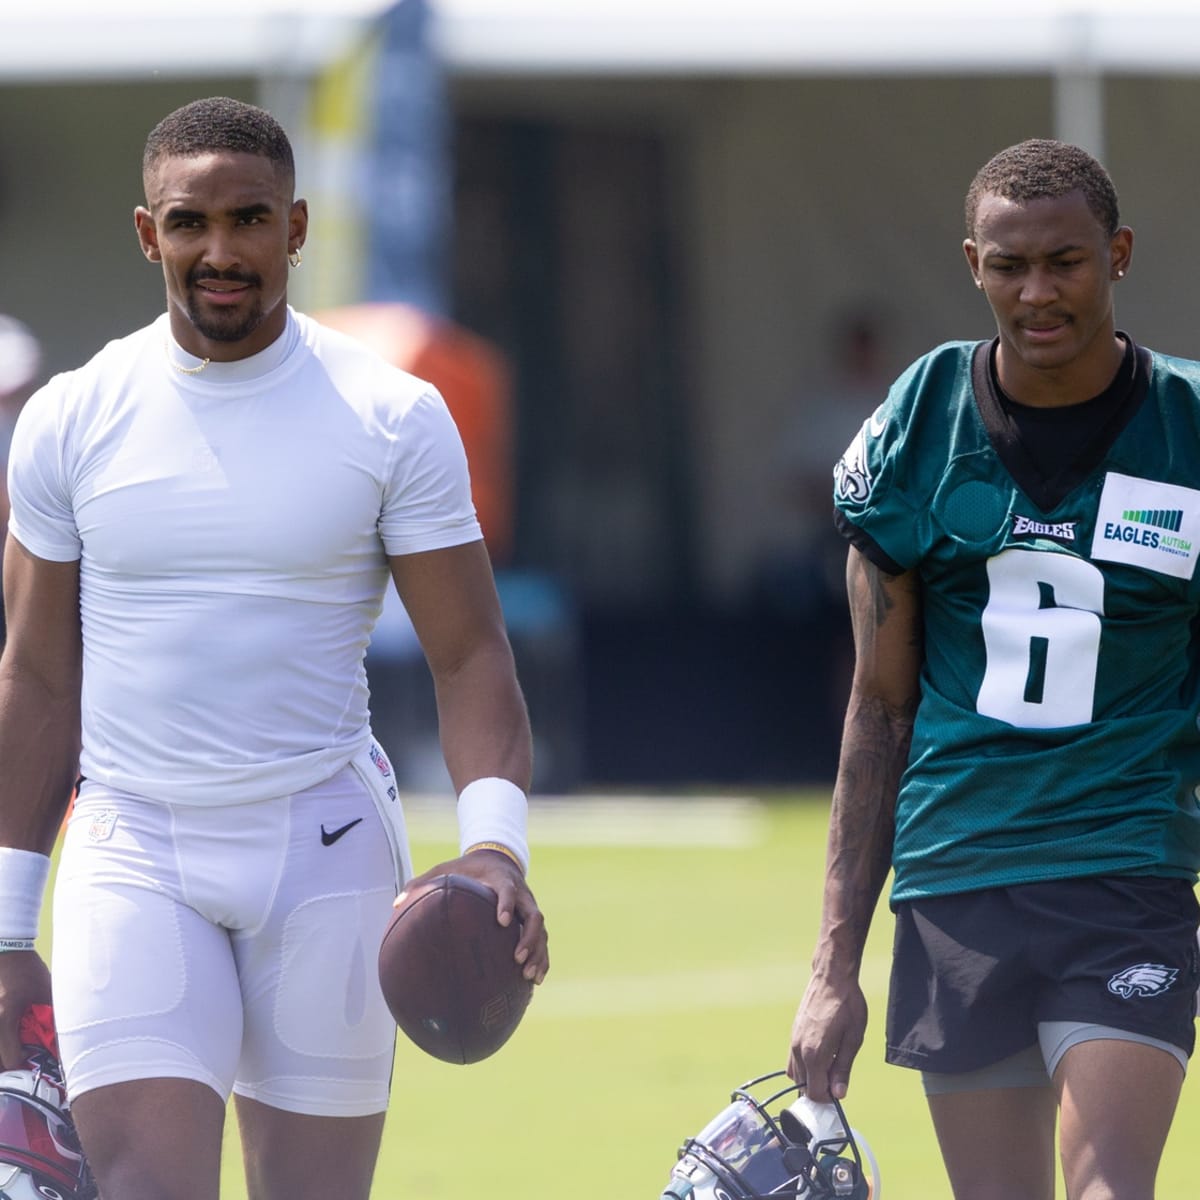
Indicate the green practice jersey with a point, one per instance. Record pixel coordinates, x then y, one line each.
1056 734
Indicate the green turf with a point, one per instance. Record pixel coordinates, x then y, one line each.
676 970
675 976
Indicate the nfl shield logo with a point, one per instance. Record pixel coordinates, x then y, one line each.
380 760
103 823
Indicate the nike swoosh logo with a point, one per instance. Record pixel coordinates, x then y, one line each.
328 837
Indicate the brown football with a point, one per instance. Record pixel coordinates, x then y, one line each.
447 971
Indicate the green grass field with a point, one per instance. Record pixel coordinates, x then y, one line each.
680 935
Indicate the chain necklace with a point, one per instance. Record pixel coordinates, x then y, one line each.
184 370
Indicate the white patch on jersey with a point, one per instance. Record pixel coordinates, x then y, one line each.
1148 524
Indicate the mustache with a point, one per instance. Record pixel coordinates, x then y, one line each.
1045 318
207 273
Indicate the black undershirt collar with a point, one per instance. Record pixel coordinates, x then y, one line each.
1050 451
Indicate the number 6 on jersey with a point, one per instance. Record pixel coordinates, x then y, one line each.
1041 632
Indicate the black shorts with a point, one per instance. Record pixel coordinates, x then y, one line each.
973 974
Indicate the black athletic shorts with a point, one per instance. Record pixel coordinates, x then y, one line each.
973 974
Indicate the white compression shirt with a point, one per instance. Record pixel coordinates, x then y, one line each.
231 528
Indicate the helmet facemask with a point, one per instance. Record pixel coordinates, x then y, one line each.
769 1149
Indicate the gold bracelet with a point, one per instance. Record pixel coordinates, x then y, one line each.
499 848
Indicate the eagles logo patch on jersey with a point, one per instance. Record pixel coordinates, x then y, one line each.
851 477
1027 527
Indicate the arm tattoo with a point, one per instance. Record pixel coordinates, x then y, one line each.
881 602
875 746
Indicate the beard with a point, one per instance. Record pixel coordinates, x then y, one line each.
224 325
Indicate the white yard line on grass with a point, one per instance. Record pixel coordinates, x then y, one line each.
674 821
685 991
676 991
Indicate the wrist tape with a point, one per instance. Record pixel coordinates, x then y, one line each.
23 875
494 810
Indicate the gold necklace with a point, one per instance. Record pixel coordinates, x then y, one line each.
184 370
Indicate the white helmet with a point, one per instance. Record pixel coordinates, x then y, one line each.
780 1146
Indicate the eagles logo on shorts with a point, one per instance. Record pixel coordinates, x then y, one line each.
1145 979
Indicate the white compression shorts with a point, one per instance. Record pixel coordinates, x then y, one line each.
234 945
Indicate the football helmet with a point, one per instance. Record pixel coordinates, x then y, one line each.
772 1143
40 1157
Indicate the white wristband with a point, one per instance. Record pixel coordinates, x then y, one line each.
23 875
494 810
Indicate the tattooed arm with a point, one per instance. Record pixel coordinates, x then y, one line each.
885 613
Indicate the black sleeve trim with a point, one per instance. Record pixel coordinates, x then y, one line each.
865 544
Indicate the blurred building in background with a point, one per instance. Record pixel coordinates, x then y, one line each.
629 231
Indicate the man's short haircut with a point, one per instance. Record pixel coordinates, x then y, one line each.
1042 168
219 124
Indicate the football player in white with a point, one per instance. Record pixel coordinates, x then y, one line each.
204 519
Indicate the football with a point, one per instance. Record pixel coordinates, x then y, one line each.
447 971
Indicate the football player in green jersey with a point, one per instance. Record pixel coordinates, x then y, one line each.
1021 743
